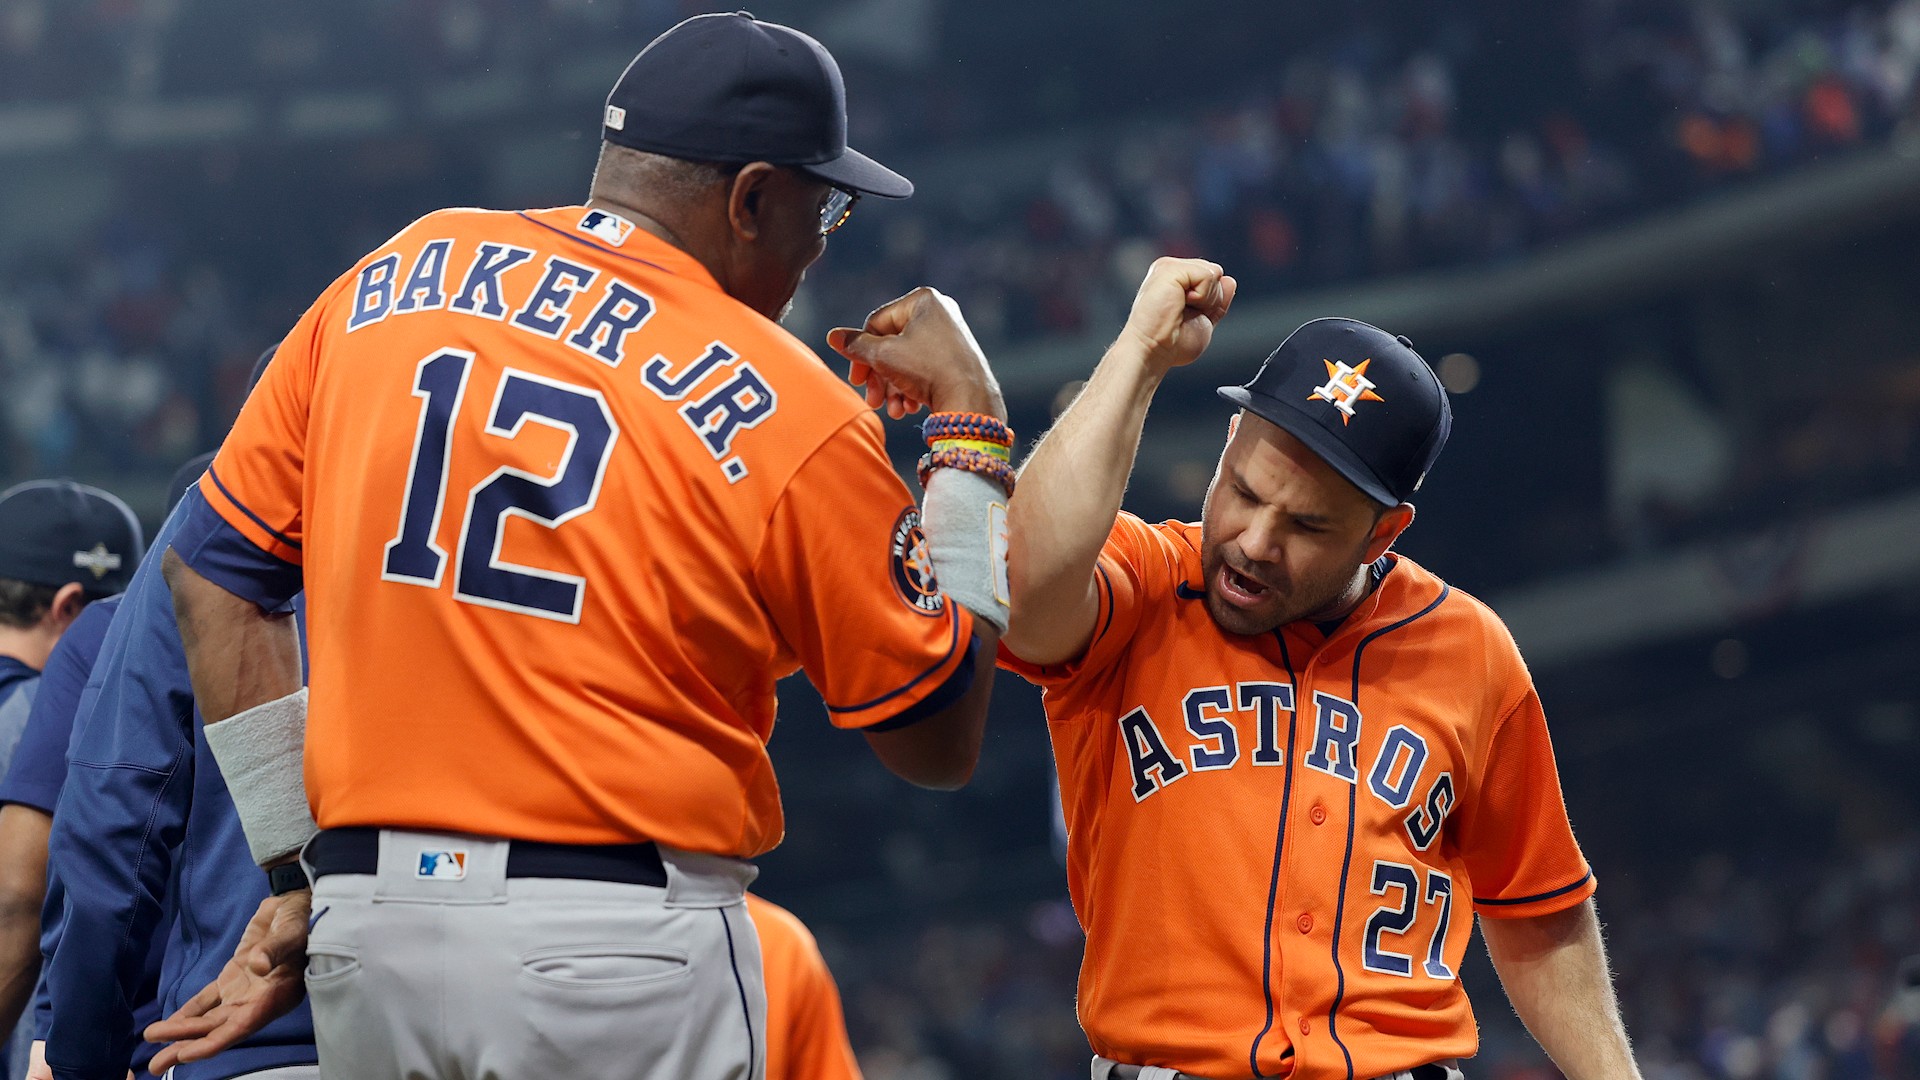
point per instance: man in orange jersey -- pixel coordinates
(1293, 765)
(806, 1031)
(566, 501)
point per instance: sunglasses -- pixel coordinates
(837, 209)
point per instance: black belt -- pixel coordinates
(356, 850)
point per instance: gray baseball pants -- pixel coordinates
(486, 977)
(1108, 1069)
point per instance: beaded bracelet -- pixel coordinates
(972, 461)
(979, 446)
(968, 426)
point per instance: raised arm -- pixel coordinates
(917, 351)
(1071, 486)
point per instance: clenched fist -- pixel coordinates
(917, 351)
(1178, 305)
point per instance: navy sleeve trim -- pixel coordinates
(953, 643)
(41, 796)
(945, 694)
(1106, 583)
(1536, 897)
(251, 516)
(223, 555)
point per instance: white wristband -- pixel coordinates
(261, 753)
(965, 518)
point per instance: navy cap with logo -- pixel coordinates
(1360, 398)
(731, 88)
(55, 532)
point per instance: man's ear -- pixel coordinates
(746, 200)
(67, 604)
(1388, 529)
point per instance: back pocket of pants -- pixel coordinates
(609, 966)
(330, 963)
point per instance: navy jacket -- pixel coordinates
(34, 777)
(144, 835)
(18, 685)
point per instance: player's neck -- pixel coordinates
(1357, 590)
(31, 646)
(650, 224)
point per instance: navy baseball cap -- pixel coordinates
(1359, 397)
(55, 532)
(732, 88)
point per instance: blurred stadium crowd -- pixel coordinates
(126, 351)
(1346, 156)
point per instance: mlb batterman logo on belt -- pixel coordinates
(445, 865)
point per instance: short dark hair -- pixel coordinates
(623, 170)
(23, 603)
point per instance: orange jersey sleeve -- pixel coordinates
(257, 480)
(845, 576)
(1514, 834)
(1135, 563)
(806, 1030)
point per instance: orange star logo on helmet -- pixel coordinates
(1345, 387)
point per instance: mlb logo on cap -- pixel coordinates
(442, 864)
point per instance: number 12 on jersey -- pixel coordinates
(480, 577)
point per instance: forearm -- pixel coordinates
(238, 655)
(1064, 506)
(23, 889)
(941, 751)
(19, 957)
(1554, 969)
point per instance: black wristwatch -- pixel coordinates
(286, 878)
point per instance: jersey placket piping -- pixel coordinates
(1346, 863)
(1279, 850)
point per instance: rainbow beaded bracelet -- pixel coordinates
(973, 461)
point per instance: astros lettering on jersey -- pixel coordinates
(557, 511)
(1277, 844)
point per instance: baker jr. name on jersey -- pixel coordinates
(552, 310)
(1239, 726)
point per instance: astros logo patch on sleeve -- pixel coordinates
(913, 567)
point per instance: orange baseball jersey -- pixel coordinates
(806, 1031)
(564, 511)
(1277, 844)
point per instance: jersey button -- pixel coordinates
(1306, 1028)
(1305, 922)
(1318, 814)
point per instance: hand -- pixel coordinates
(264, 981)
(917, 351)
(1178, 305)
